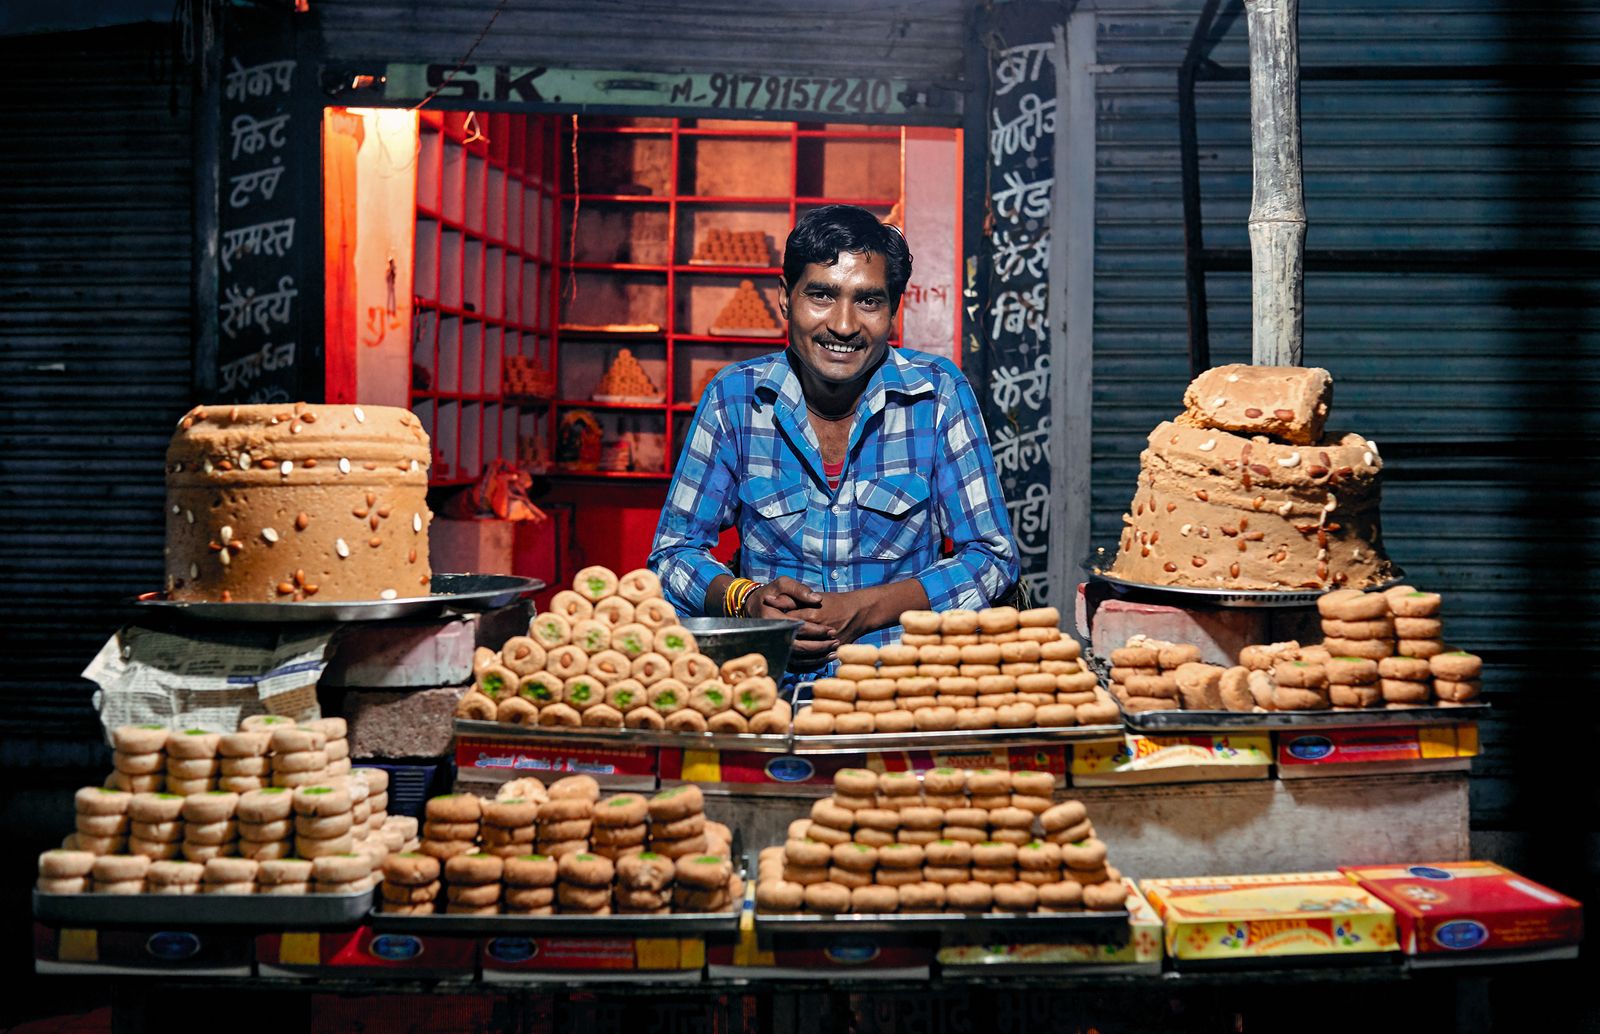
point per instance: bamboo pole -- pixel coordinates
(1277, 205)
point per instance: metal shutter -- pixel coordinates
(1475, 367)
(95, 344)
(899, 38)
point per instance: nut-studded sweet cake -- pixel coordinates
(1220, 509)
(290, 502)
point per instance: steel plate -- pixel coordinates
(1179, 721)
(672, 925)
(452, 593)
(186, 910)
(1099, 568)
(980, 928)
(558, 736)
(953, 739)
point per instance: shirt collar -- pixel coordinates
(896, 374)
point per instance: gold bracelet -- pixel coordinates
(733, 597)
(744, 597)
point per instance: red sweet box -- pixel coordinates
(1454, 908)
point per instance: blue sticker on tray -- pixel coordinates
(1310, 748)
(851, 951)
(787, 768)
(1461, 935)
(1428, 872)
(172, 946)
(512, 949)
(395, 947)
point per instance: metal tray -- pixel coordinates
(953, 739)
(1099, 567)
(983, 928)
(453, 593)
(674, 925)
(186, 910)
(565, 735)
(1178, 721)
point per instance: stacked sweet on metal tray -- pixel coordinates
(961, 669)
(950, 840)
(262, 810)
(533, 851)
(1380, 649)
(610, 654)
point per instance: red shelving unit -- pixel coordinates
(500, 267)
(485, 287)
(645, 193)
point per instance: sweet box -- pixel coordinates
(1454, 908)
(1241, 917)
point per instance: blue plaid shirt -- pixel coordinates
(917, 470)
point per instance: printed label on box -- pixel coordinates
(1369, 746)
(1134, 753)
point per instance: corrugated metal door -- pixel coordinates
(1450, 288)
(896, 39)
(94, 355)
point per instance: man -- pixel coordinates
(844, 463)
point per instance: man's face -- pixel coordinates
(839, 315)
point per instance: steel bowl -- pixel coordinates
(723, 639)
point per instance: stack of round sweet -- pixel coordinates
(256, 833)
(961, 669)
(571, 817)
(537, 856)
(1380, 649)
(611, 654)
(746, 310)
(192, 764)
(955, 841)
(733, 247)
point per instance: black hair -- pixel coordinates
(822, 233)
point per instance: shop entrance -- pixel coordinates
(553, 292)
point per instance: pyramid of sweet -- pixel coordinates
(627, 378)
(733, 247)
(746, 310)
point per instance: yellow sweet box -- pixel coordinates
(1239, 917)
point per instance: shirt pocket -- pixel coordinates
(891, 515)
(775, 517)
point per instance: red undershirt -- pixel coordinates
(833, 472)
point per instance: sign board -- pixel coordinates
(726, 93)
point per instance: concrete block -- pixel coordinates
(471, 547)
(409, 654)
(417, 724)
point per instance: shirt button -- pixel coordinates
(838, 508)
(834, 576)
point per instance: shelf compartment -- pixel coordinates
(736, 168)
(831, 167)
(626, 235)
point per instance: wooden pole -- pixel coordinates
(1277, 204)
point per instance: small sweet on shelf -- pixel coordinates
(746, 315)
(626, 381)
(723, 247)
(527, 377)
